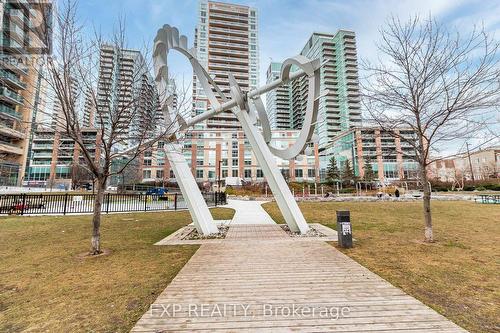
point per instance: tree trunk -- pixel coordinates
(427, 204)
(95, 247)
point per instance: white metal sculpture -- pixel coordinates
(248, 107)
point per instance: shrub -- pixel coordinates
(492, 187)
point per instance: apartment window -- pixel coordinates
(161, 144)
(311, 173)
(252, 13)
(224, 161)
(235, 162)
(234, 135)
(248, 173)
(199, 173)
(148, 154)
(390, 174)
(161, 162)
(159, 173)
(199, 162)
(298, 173)
(147, 162)
(235, 173)
(234, 153)
(203, 13)
(260, 174)
(62, 173)
(248, 162)
(146, 174)
(172, 174)
(224, 173)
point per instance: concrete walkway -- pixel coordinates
(259, 279)
(249, 212)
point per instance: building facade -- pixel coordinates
(19, 83)
(57, 161)
(483, 164)
(390, 155)
(278, 100)
(226, 153)
(339, 108)
(226, 42)
(125, 86)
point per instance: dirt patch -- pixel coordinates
(87, 255)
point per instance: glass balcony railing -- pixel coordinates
(8, 131)
(11, 77)
(16, 29)
(5, 109)
(14, 66)
(9, 42)
(10, 94)
(11, 148)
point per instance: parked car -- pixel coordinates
(87, 186)
(112, 189)
(160, 191)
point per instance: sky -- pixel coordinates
(286, 25)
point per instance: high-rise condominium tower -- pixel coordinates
(278, 100)
(226, 41)
(340, 109)
(19, 85)
(125, 86)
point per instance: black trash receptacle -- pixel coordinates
(344, 229)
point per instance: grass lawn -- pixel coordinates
(46, 286)
(458, 275)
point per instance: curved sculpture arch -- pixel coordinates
(247, 107)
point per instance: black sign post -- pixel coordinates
(344, 229)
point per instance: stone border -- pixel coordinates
(312, 232)
(194, 235)
(179, 237)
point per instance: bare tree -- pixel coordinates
(131, 174)
(437, 83)
(125, 119)
(80, 175)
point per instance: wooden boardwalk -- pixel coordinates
(261, 280)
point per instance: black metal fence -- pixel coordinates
(72, 203)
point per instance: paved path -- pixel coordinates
(249, 212)
(259, 279)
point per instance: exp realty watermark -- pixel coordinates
(266, 310)
(27, 27)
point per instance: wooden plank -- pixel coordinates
(254, 267)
